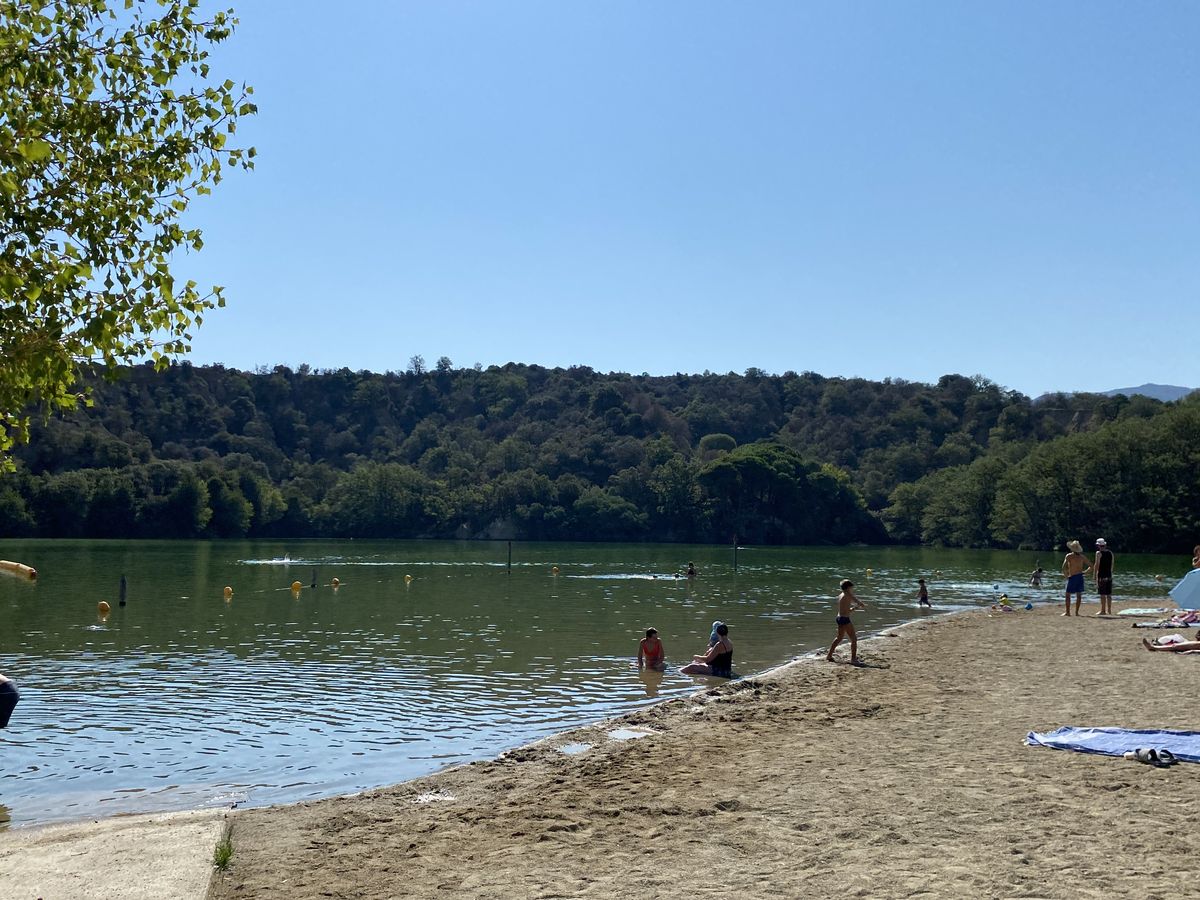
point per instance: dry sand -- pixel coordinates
(159, 857)
(907, 778)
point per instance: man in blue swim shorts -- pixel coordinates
(1074, 566)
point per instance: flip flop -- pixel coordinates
(1167, 758)
(1149, 756)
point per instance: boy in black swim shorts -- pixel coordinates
(846, 602)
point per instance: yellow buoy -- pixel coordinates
(296, 587)
(102, 607)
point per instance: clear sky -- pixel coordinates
(857, 187)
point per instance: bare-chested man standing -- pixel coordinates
(1075, 566)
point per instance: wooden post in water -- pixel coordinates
(121, 602)
(510, 557)
(735, 553)
(314, 580)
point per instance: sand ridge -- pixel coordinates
(905, 778)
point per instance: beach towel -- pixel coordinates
(1116, 741)
(1146, 611)
(1166, 623)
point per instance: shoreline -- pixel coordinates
(86, 820)
(908, 776)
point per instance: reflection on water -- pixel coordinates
(652, 679)
(405, 657)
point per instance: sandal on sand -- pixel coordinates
(1167, 758)
(1149, 756)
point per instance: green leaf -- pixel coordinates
(35, 151)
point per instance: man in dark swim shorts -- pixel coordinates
(1102, 572)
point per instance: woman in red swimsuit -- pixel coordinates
(651, 654)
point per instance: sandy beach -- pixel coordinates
(906, 778)
(153, 857)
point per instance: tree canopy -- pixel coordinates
(111, 123)
(521, 451)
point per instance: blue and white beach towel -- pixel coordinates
(1117, 741)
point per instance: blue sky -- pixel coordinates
(875, 189)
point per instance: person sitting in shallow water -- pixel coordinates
(651, 654)
(718, 661)
(9, 696)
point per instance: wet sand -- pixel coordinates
(905, 778)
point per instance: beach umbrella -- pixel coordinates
(1187, 592)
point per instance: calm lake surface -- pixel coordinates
(428, 654)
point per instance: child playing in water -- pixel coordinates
(923, 594)
(846, 602)
(651, 654)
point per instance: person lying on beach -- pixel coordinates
(718, 661)
(9, 696)
(846, 602)
(651, 654)
(1184, 617)
(1177, 647)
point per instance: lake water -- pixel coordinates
(427, 654)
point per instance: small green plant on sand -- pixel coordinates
(224, 852)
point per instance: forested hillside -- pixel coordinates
(533, 453)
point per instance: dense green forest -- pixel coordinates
(521, 451)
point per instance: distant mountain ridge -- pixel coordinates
(1165, 392)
